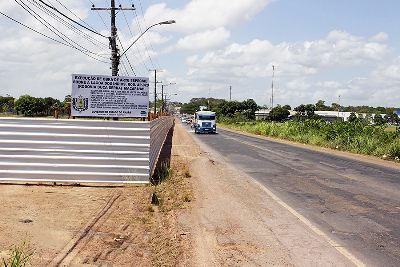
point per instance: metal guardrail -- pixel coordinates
(158, 133)
(78, 151)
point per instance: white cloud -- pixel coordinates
(204, 40)
(255, 59)
(200, 15)
(379, 37)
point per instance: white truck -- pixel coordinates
(205, 122)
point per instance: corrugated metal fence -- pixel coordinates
(159, 130)
(79, 151)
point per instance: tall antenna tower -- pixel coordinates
(272, 87)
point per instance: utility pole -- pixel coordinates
(272, 87)
(230, 93)
(162, 97)
(155, 90)
(113, 38)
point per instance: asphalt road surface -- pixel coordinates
(355, 203)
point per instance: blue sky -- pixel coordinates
(322, 49)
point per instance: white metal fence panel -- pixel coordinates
(35, 150)
(159, 130)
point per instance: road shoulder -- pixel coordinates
(235, 223)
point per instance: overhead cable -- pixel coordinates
(62, 14)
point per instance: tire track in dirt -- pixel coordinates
(67, 254)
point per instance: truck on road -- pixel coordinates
(205, 122)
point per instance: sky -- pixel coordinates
(344, 51)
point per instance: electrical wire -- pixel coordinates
(130, 65)
(62, 14)
(98, 13)
(52, 28)
(70, 26)
(76, 16)
(141, 10)
(48, 37)
(142, 60)
(145, 46)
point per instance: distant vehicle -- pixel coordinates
(183, 120)
(205, 122)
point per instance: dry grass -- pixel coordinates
(20, 256)
(167, 244)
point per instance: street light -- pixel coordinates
(160, 23)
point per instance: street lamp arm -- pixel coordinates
(148, 28)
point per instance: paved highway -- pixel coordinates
(355, 203)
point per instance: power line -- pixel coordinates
(62, 14)
(48, 37)
(126, 56)
(52, 28)
(69, 25)
(141, 10)
(141, 31)
(76, 16)
(98, 13)
(129, 28)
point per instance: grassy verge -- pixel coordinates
(353, 137)
(167, 243)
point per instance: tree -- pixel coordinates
(352, 117)
(26, 104)
(6, 103)
(335, 107)
(249, 108)
(378, 120)
(279, 113)
(320, 105)
(287, 107)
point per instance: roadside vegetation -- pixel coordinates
(20, 256)
(172, 193)
(356, 137)
(367, 130)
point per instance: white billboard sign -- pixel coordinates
(109, 96)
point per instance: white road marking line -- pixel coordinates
(69, 181)
(32, 164)
(73, 173)
(49, 126)
(73, 157)
(55, 135)
(72, 143)
(26, 149)
(342, 250)
(304, 220)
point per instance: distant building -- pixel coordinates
(262, 114)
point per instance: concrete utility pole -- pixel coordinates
(230, 93)
(113, 39)
(162, 95)
(162, 98)
(155, 90)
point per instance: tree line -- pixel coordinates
(245, 110)
(27, 105)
